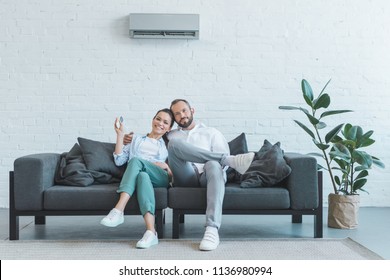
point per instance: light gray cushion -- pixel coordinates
(237, 146)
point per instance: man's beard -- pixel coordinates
(187, 124)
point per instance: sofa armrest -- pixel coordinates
(32, 175)
(303, 181)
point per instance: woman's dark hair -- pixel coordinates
(166, 110)
(169, 112)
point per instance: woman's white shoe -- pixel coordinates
(149, 239)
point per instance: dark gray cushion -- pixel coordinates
(236, 198)
(72, 170)
(237, 146)
(268, 167)
(98, 156)
(94, 197)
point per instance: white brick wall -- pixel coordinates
(67, 68)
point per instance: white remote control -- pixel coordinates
(118, 123)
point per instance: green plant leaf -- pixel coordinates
(334, 112)
(341, 151)
(319, 167)
(321, 125)
(367, 134)
(362, 158)
(294, 108)
(342, 163)
(347, 127)
(365, 143)
(336, 139)
(348, 143)
(359, 132)
(358, 184)
(305, 128)
(363, 190)
(360, 168)
(331, 134)
(365, 140)
(314, 121)
(320, 146)
(324, 87)
(289, 108)
(307, 92)
(337, 180)
(362, 174)
(322, 102)
(350, 132)
(377, 162)
(343, 171)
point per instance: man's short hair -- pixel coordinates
(180, 100)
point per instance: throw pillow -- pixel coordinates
(268, 167)
(265, 148)
(98, 156)
(237, 146)
(72, 170)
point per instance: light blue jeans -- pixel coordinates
(142, 176)
(181, 155)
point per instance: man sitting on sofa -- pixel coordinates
(198, 157)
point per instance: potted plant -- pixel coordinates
(346, 163)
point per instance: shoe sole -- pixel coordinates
(111, 225)
(146, 247)
(208, 248)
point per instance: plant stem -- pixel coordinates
(327, 161)
(330, 172)
(351, 171)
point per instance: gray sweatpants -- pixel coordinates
(181, 155)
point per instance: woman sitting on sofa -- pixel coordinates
(146, 169)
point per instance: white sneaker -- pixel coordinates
(149, 239)
(113, 219)
(240, 162)
(210, 239)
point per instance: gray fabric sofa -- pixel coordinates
(297, 195)
(36, 190)
(33, 192)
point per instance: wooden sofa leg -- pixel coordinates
(175, 224)
(297, 219)
(181, 219)
(159, 215)
(40, 220)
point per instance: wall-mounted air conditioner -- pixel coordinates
(167, 26)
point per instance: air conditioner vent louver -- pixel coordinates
(164, 26)
(162, 34)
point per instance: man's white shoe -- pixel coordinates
(210, 239)
(113, 219)
(149, 239)
(242, 162)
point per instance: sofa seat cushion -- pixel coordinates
(236, 198)
(94, 197)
